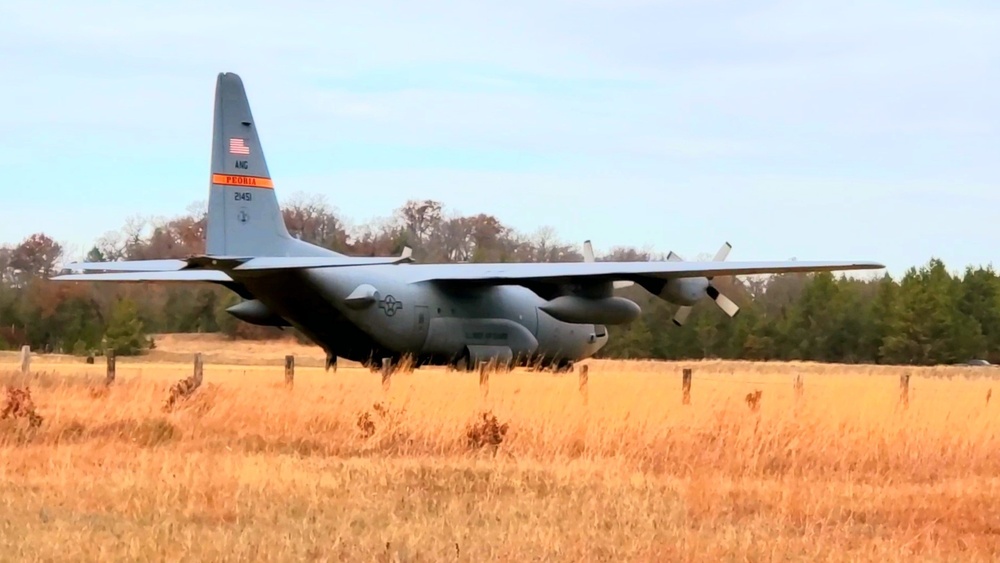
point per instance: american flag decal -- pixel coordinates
(236, 146)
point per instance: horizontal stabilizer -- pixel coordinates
(129, 266)
(171, 276)
(241, 263)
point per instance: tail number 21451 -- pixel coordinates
(242, 196)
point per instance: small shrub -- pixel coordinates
(383, 418)
(486, 432)
(365, 424)
(180, 390)
(20, 405)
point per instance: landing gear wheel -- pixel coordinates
(375, 364)
(464, 362)
(564, 366)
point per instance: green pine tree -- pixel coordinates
(930, 328)
(125, 333)
(980, 299)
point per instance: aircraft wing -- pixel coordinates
(575, 272)
(489, 274)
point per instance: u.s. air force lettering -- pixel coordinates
(389, 305)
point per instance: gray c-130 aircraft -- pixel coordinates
(370, 308)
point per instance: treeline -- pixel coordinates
(928, 316)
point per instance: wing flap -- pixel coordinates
(291, 263)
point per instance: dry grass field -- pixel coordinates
(338, 468)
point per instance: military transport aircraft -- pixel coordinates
(372, 308)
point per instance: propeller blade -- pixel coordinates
(681, 315)
(723, 252)
(724, 303)
(588, 256)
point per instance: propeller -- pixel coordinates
(588, 256)
(724, 303)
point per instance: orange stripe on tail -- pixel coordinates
(242, 181)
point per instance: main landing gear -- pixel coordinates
(564, 366)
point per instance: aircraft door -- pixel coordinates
(420, 320)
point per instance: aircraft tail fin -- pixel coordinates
(244, 218)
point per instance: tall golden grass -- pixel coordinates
(338, 468)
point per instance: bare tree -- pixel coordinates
(421, 218)
(311, 219)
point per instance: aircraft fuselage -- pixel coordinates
(365, 314)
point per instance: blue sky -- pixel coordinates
(820, 130)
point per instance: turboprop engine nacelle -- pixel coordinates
(603, 311)
(684, 291)
(256, 313)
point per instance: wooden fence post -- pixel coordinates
(799, 387)
(289, 370)
(110, 377)
(584, 377)
(686, 386)
(198, 370)
(25, 360)
(386, 373)
(904, 390)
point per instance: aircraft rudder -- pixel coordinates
(236, 145)
(243, 213)
(244, 218)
